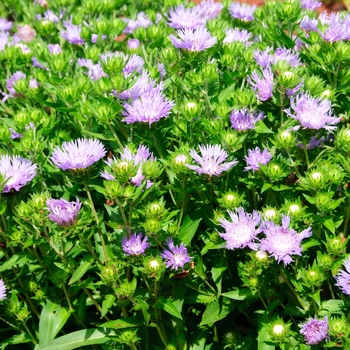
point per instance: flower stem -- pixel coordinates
(305, 152)
(346, 223)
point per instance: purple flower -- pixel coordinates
(176, 256)
(149, 108)
(94, 38)
(312, 113)
(95, 71)
(255, 158)
(33, 84)
(48, 16)
(2, 290)
(235, 34)
(135, 245)
(287, 55)
(282, 242)
(314, 142)
(54, 49)
(198, 39)
(5, 25)
(36, 63)
(242, 231)
(343, 278)
(242, 11)
(16, 171)
(291, 92)
(12, 80)
(309, 24)
(314, 330)
(4, 38)
(72, 33)
(209, 9)
(262, 85)
(161, 70)
(310, 4)
(263, 58)
(78, 154)
(133, 44)
(243, 119)
(141, 21)
(210, 161)
(62, 212)
(15, 134)
(134, 64)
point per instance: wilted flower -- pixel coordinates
(310, 4)
(242, 11)
(5, 25)
(2, 290)
(242, 231)
(343, 278)
(95, 71)
(16, 171)
(198, 39)
(243, 119)
(314, 331)
(142, 21)
(135, 245)
(72, 33)
(211, 160)
(262, 85)
(149, 108)
(312, 113)
(25, 33)
(78, 154)
(255, 158)
(235, 34)
(62, 212)
(15, 134)
(54, 49)
(175, 256)
(281, 241)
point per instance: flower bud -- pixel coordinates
(230, 340)
(325, 261)
(169, 56)
(338, 327)
(22, 315)
(113, 189)
(279, 330)
(155, 209)
(92, 52)
(285, 139)
(154, 267)
(129, 192)
(152, 226)
(230, 200)
(253, 283)
(151, 169)
(111, 271)
(261, 256)
(342, 139)
(129, 337)
(271, 213)
(21, 119)
(5, 133)
(336, 245)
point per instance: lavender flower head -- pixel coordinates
(62, 212)
(196, 40)
(78, 154)
(4, 38)
(135, 245)
(5, 25)
(16, 171)
(242, 120)
(312, 113)
(54, 49)
(288, 55)
(309, 24)
(72, 33)
(149, 108)
(33, 84)
(315, 331)
(15, 134)
(134, 63)
(211, 160)
(343, 278)
(242, 11)
(262, 85)
(2, 290)
(176, 256)
(255, 158)
(242, 231)
(133, 44)
(95, 71)
(94, 38)
(10, 82)
(310, 4)
(281, 241)
(240, 35)
(142, 21)
(48, 16)
(263, 58)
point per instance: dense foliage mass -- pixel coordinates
(174, 176)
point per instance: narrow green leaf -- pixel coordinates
(84, 266)
(166, 305)
(53, 317)
(225, 94)
(127, 322)
(188, 229)
(265, 187)
(238, 294)
(261, 128)
(18, 259)
(107, 304)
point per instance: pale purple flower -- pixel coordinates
(309, 24)
(78, 154)
(16, 171)
(312, 113)
(149, 108)
(256, 157)
(142, 21)
(5, 25)
(95, 71)
(10, 82)
(343, 278)
(291, 92)
(335, 27)
(176, 256)
(161, 70)
(133, 44)
(4, 37)
(72, 33)
(209, 9)
(94, 38)
(262, 85)
(48, 16)
(315, 331)
(134, 63)
(37, 64)
(281, 241)
(33, 84)
(314, 142)
(240, 35)
(198, 39)
(241, 231)
(310, 4)
(135, 245)
(54, 49)
(263, 58)
(243, 119)
(2, 290)
(15, 134)
(211, 161)
(62, 212)
(242, 11)
(287, 55)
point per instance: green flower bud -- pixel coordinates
(127, 288)
(261, 256)
(102, 85)
(40, 294)
(117, 82)
(111, 271)
(113, 64)
(274, 170)
(336, 245)
(271, 213)
(338, 327)
(129, 192)
(21, 86)
(316, 178)
(230, 200)
(279, 330)
(227, 60)
(285, 139)
(152, 226)
(154, 267)
(253, 283)
(59, 63)
(191, 109)
(180, 160)
(124, 170)
(314, 277)
(327, 94)
(230, 340)
(342, 139)
(5, 133)
(93, 53)
(113, 189)
(155, 209)
(23, 314)
(169, 56)
(151, 169)
(129, 337)
(325, 261)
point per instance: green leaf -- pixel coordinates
(127, 322)
(225, 94)
(217, 271)
(329, 223)
(261, 128)
(265, 187)
(53, 317)
(216, 311)
(85, 264)
(198, 339)
(238, 294)
(309, 244)
(166, 305)
(333, 306)
(18, 259)
(107, 303)
(80, 338)
(188, 229)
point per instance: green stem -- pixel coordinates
(30, 333)
(346, 223)
(306, 154)
(98, 307)
(262, 300)
(111, 127)
(293, 290)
